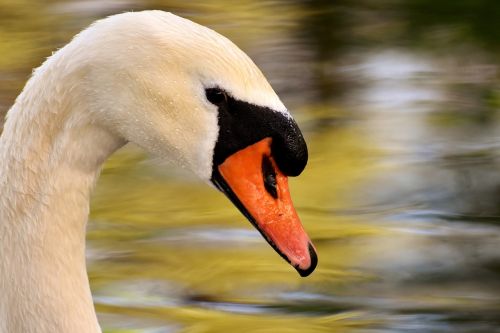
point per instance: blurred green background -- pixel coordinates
(399, 101)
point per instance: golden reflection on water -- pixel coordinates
(152, 227)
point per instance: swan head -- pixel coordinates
(183, 91)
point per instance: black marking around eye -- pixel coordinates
(242, 124)
(269, 176)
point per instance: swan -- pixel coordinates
(175, 88)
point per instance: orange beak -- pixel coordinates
(252, 180)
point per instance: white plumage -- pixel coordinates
(136, 77)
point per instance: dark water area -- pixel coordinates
(399, 102)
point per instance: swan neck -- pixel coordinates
(51, 151)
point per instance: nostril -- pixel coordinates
(269, 175)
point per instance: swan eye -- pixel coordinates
(216, 96)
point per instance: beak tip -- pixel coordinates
(314, 262)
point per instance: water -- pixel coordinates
(399, 104)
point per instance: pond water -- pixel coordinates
(399, 103)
